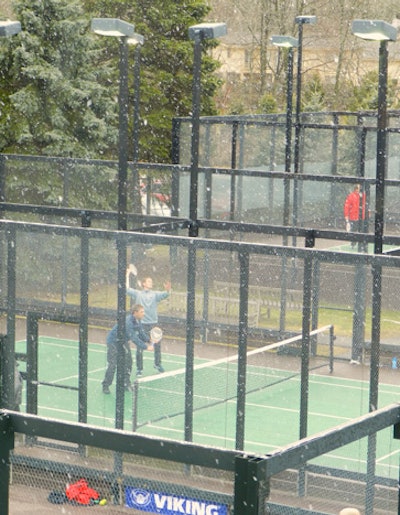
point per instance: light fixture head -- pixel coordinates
(207, 30)
(9, 28)
(285, 41)
(112, 27)
(310, 20)
(136, 39)
(374, 30)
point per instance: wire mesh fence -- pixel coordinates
(67, 476)
(242, 292)
(298, 478)
(334, 148)
(63, 380)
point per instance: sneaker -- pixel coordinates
(354, 362)
(139, 372)
(106, 389)
(128, 388)
(159, 368)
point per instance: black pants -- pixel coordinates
(157, 350)
(112, 358)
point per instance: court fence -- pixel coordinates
(68, 265)
(35, 254)
(171, 477)
(239, 152)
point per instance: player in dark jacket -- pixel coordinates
(134, 333)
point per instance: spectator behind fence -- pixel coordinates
(351, 209)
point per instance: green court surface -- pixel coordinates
(347, 247)
(272, 411)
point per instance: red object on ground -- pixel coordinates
(81, 493)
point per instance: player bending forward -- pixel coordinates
(134, 333)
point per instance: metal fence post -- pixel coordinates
(250, 491)
(6, 445)
(396, 436)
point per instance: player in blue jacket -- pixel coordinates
(134, 333)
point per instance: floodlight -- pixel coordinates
(285, 41)
(374, 30)
(9, 28)
(310, 20)
(136, 39)
(207, 30)
(112, 27)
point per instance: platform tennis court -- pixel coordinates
(272, 413)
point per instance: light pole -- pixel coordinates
(301, 21)
(377, 30)
(138, 41)
(198, 33)
(9, 28)
(288, 43)
(124, 31)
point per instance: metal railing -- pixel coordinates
(252, 473)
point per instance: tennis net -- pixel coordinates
(215, 382)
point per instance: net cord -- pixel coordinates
(234, 357)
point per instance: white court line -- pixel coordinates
(73, 413)
(74, 344)
(57, 410)
(103, 349)
(293, 410)
(76, 376)
(267, 447)
(384, 457)
(392, 321)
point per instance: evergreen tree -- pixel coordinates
(60, 104)
(166, 65)
(365, 95)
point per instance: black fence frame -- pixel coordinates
(122, 240)
(255, 467)
(252, 472)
